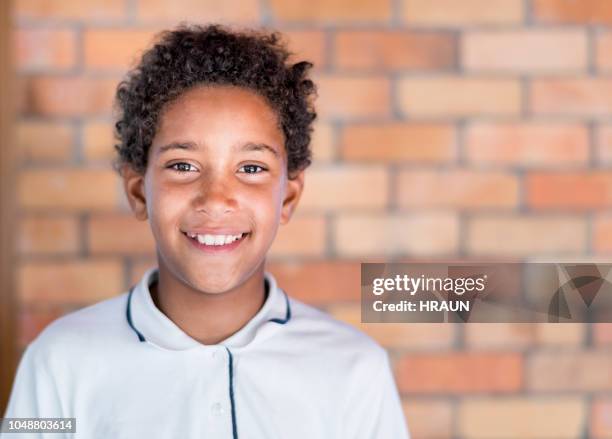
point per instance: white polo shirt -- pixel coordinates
(123, 369)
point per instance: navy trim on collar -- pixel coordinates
(281, 321)
(128, 313)
(287, 316)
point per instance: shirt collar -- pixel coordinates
(152, 326)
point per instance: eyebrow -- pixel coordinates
(258, 147)
(250, 146)
(177, 145)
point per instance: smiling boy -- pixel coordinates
(214, 133)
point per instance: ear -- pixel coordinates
(295, 186)
(133, 183)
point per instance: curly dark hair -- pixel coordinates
(192, 55)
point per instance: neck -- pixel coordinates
(208, 318)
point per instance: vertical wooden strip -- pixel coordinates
(8, 308)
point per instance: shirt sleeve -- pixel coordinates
(376, 410)
(34, 395)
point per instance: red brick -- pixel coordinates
(319, 282)
(602, 334)
(70, 96)
(118, 233)
(528, 144)
(394, 50)
(585, 97)
(92, 10)
(118, 49)
(98, 141)
(429, 418)
(604, 144)
(421, 234)
(323, 143)
(525, 417)
(458, 373)
(81, 282)
(526, 235)
(525, 51)
(602, 234)
(114, 49)
(575, 370)
(603, 51)
(398, 142)
(42, 141)
(48, 235)
(243, 11)
(575, 190)
(304, 235)
(601, 418)
(413, 336)
(456, 96)
(331, 11)
(458, 188)
(572, 11)
(346, 97)
(500, 335)
(69, 189)
(521, 336)
(466, 12)
(38, 49)
(339, 187)
(32, 321)
(561, 334)
(306, 45)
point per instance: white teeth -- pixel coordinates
(214, 239)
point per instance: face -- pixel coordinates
(216, 186)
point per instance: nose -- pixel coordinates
(215, 197)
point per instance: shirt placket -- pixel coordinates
(219, 397)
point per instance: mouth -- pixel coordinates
(216, 242)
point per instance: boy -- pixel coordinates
(214, 133)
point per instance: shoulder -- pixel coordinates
(324, 333)
(86, 328)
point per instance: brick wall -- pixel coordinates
(449, 128)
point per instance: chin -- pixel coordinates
(213, 283)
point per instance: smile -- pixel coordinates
(214, 243)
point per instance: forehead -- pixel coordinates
(212, 107)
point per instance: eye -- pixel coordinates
(252, 169)
(182, 167)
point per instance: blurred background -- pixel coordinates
(448, 129)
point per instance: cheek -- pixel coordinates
(262, 206)
(164, 209)
(268, 209)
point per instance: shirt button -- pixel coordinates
(217, 409)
